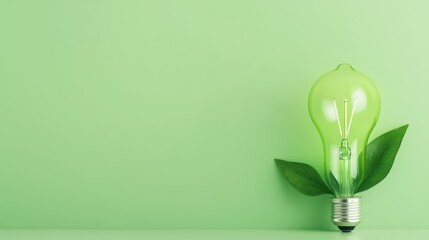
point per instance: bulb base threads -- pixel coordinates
(346, 213)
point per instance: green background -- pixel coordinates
(168, 114)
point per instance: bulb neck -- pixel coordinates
(346, 213)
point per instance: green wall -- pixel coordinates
(168, 114)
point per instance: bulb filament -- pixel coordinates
(345, 180)
(344, 133)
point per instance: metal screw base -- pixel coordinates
(346, 213)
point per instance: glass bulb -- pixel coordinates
(344, 106)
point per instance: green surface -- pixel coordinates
(211, 234)
(168, 114)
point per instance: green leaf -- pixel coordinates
(334, 182)
(380, 155)
(303, 178)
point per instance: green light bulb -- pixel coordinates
(344, 106)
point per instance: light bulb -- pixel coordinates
(344, 106)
